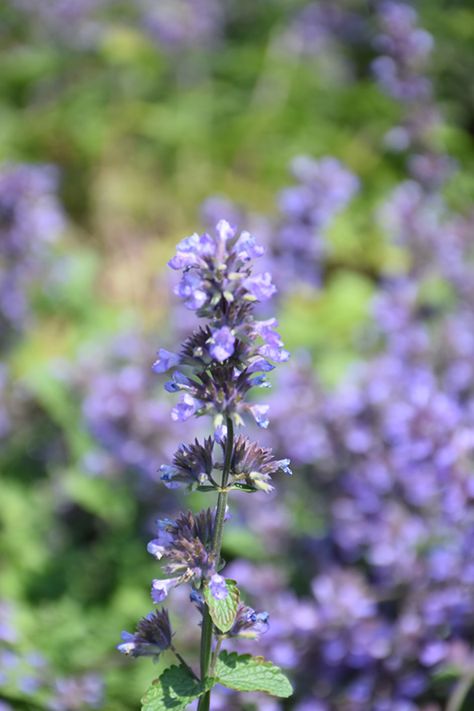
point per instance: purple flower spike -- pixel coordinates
(222, 344)
(217, 366)
(165, 361)
(218, 587)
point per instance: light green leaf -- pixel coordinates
(223, 612)
(246, 673)
(175, 689)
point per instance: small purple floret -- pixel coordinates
(218, 587)
(165, 361)
(160, 589)
(184, 409)
(260, 287)
(222, 344)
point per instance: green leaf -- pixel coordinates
(175, 689)
(243, 672)
(448, 672)
(243, 487)
(223, 612)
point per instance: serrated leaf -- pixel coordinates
(243, 672)
(175, 689)
(223, 612)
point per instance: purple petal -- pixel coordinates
(222, 344)
(259, 413)
(184, 409)
(218, 587)
(165, 361)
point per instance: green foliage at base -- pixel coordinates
(175, 689)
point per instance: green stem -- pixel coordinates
(206, 632)
(215, 655)
(460, 691)
(182, 661)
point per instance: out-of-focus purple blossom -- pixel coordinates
(78, 23)
(284, 639)
(78, 692)
(218, 207)
(28, 673)
(8, 632)
(324, 188)
(390, 451)
(303, 435)
(127, 417)
(179, 24)
(324, 29)
(31, 219)
(404, 49)
(431, 169)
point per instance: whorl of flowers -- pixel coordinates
(152, 637)
(222, 361)
(214, 371)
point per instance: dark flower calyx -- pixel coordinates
(192, 465)
(252, 466)
(152, 637)
(186, 543)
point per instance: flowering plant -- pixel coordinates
(215, 370)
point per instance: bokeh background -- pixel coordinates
(341, 133)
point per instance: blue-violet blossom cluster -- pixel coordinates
(214, 371)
